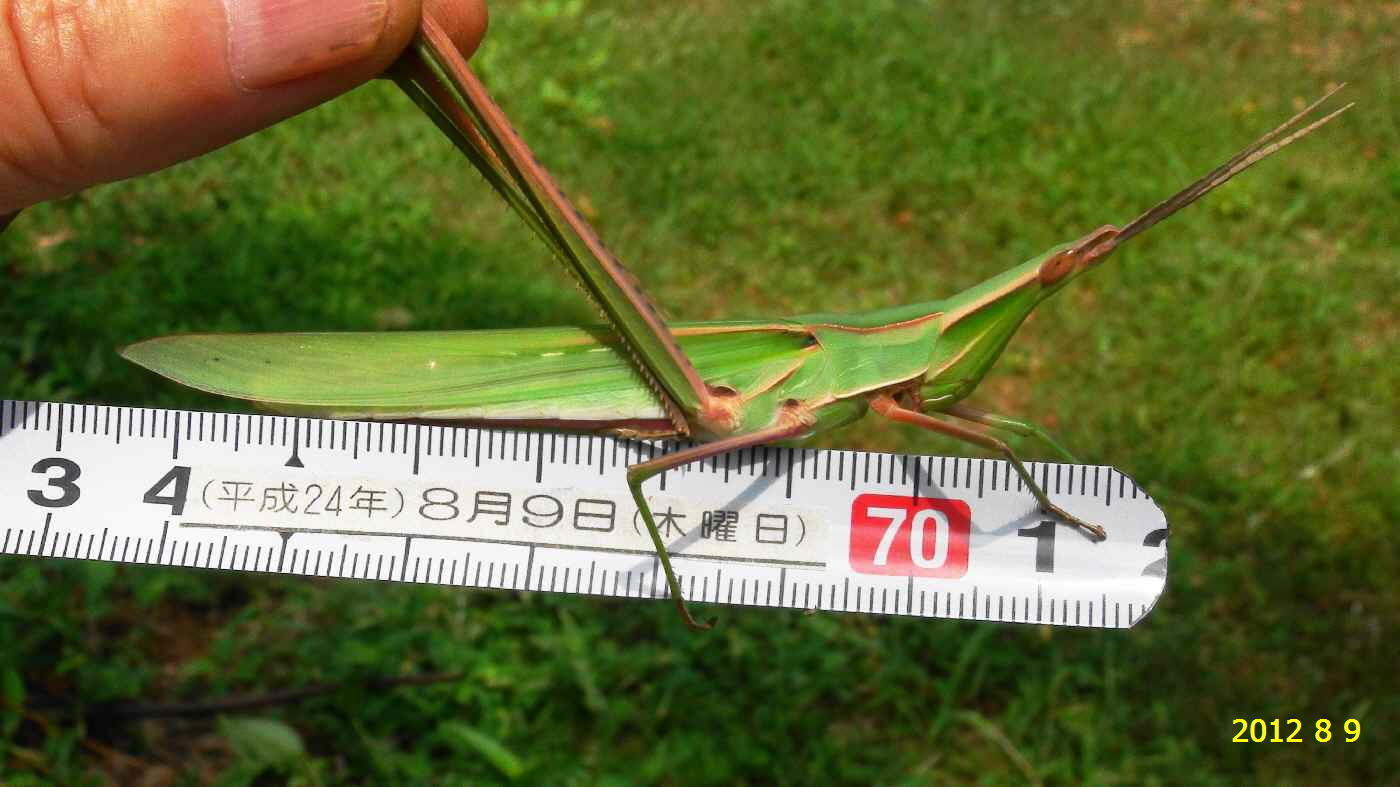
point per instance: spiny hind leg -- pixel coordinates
(886, 406)
(790, 426)
(1013, 425)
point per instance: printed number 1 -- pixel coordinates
(1044, 535)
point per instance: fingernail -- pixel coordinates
(276, 41)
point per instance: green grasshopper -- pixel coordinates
(722, 385)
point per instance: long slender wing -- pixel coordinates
(563, 374)
(438, 79)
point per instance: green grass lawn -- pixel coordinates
(761, 159)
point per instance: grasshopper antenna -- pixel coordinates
(1101, 242)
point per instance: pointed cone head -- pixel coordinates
(1059, 267)
(977, 323)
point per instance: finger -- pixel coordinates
(464, 20)
(98, 91)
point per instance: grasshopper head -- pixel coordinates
(1077, 257)
(1058, 268)
(976, 324)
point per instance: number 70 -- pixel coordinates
(905, 536)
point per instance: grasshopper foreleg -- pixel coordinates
(1013, 425)
(886, 406)
(636, 474)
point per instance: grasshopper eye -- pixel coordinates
(1058, 267)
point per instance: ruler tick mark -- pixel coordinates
(48, 519)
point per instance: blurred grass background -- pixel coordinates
(759, 159)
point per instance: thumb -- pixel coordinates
(98, 90)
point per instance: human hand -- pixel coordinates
(99, 90)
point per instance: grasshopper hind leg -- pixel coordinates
(639, 473)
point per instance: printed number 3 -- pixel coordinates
(67, 476)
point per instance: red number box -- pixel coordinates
(903, 536)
